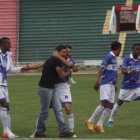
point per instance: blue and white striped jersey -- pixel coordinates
(110, 72)
(6, 66)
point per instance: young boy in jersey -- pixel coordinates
(108, 72)
(63, 89)
(6, 66)
(131, 84)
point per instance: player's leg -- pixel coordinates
(124, 96)
(64, 93)
(70, 116)
(5, 113)
(99, 109)
(109, 95)
(113, 113)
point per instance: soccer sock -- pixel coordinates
(71, 122)
(9, 119)
(114, 111)
(98, 110)
(105, 114)
(3, 115)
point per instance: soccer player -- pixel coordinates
(69, 53)
(131, 84)
(63, 89)
(52, 70)
(108, 72)
(6, 66)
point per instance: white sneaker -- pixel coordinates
(10, 135)
(73, 82)
(33, 135)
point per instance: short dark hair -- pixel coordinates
(115, 45)
(60, 47)
(136, 44)
(68, 46)
(3, 39)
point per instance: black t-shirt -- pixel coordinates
(49, 73)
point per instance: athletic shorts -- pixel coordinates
(4, 93)
(63, 89)
(107, 93)
(126, 95)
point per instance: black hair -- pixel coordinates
(3, 39)
(136, 44)
(60, 47)
(115, 45)
(68, 46)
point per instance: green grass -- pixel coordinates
(25, 107)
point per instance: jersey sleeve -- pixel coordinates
(105, 61)
(73, 61)
(124, 63)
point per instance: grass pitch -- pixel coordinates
(25, 107)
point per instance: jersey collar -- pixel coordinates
(131, 56)
(112, 54)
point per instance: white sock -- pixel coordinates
(97, 111)
(105, 114)
(113, 112)
(71, 122)
(9, 119)
(3, 115)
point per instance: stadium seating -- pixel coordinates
(46, 24)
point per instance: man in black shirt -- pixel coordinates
(52, 69)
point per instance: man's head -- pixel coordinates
(5, 44)
(61, 50)
(116, 47)
(136, 49)
(69, 50)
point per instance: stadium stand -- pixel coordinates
(46, 24)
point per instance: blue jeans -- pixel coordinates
(49, 97)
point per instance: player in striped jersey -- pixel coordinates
(131, 84)
(108, 72)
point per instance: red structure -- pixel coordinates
(8, 22)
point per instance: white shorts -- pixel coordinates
(107, 93)
(4, 93)
(63, 90)
(126, 95)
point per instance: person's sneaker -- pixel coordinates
(35, 135)
(10, 135)
(73, 135)
(90, 126)
(110, 124)
(67, 134)
(99, 129)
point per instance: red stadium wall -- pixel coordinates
(8, 22)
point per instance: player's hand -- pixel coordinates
(26, 68)
(96, 86)
(133, 72)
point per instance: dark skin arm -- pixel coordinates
(97, 84)
(61, 72)
(125, 71)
